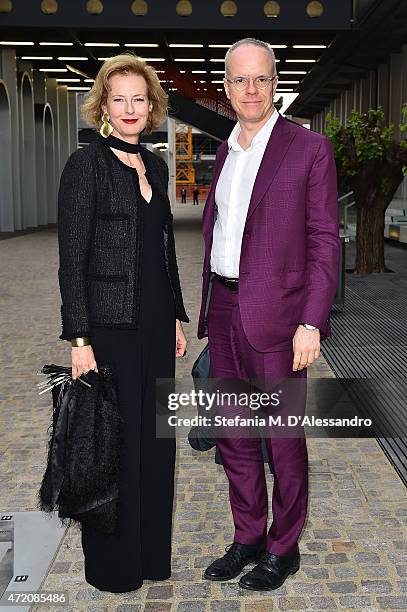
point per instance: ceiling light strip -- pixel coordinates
(36, 57)
(101, 44)
(16, 43)
(53, 70)
(141, 45)
(56, 44)
(185, 46)
(189, 59)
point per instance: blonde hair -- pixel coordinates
(125, 63)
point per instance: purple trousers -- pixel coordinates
(233, 357)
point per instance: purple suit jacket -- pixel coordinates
(289, 259)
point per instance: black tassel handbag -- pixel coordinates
(81, 479)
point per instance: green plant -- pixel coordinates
(374, 161)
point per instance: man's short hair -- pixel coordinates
(256, 43)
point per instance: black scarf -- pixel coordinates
(122, 145)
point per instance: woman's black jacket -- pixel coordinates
(100, 240)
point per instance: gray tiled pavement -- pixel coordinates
(354, 547)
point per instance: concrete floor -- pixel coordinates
(354, 547)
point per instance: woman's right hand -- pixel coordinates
(83, 360)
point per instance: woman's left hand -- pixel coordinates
(180, 340)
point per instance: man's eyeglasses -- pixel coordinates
(241, 83)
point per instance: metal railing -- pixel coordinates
(218, 106)
(344, 207)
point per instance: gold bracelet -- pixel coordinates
(80, 341)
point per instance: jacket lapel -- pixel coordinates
(208, 213)
(277, 146)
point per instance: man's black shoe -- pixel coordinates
(199, 441)
(271, 572)
(236, 558)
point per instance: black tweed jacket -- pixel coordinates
(100, 240)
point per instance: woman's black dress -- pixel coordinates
(141, 547)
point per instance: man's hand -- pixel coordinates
(306, 347)
(180, 340)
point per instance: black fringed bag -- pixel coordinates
(81, 478)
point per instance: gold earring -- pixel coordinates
(106, 128)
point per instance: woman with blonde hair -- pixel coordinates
(122, 306)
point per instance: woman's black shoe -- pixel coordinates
(271, 572)
(237, 557)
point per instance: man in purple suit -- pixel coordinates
(270, 272)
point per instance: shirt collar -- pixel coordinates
(261, 137)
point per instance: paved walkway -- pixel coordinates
(354, 547)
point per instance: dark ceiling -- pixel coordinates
(353, 43)
(175, 58)
(378, 31)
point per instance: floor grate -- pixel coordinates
(369, 340)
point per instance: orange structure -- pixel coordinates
(185, 171)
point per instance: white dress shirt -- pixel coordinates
(232, 197)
